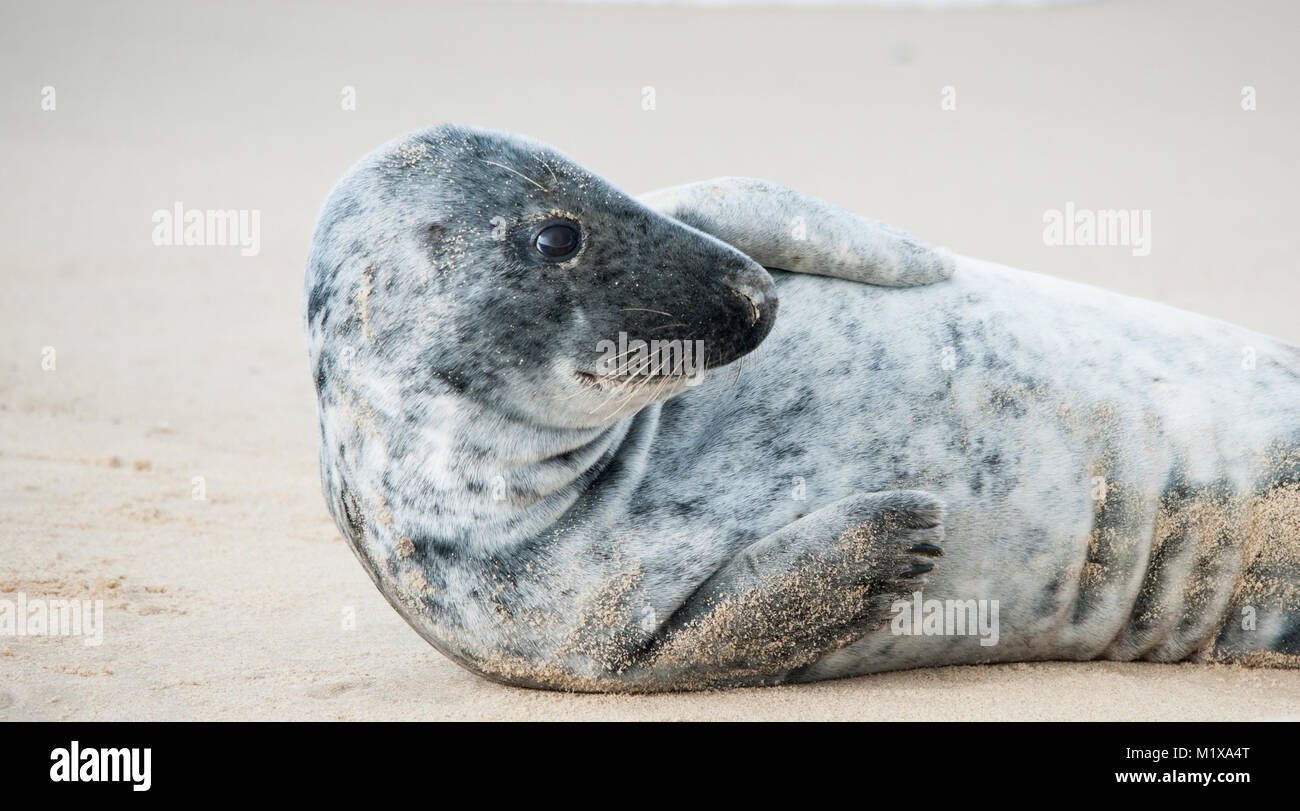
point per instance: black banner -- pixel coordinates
(243, 760)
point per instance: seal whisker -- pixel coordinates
(646, 310)
(554, 177)
(517, 172)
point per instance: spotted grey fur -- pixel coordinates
(1110, 470)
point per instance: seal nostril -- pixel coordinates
(754, 313)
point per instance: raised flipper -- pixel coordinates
(803, 592)
(782, 228)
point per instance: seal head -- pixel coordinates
(489, 266)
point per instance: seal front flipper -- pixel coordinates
(787, 230)
(805, 591)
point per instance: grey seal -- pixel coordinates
(907, 426)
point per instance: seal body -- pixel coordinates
(1121, 479)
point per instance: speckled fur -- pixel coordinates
(542, 532)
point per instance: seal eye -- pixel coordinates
(557, 241)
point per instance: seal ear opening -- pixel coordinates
(430, 237)
(784, 229)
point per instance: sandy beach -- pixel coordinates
(135, 377)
